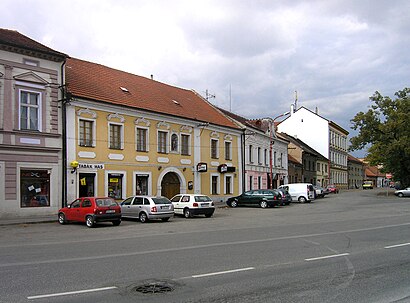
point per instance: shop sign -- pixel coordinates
(223, 168)
(90, 166)
(201, 167)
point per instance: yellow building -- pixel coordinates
(130, 135)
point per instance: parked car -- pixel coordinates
(147, 208)
(300, 192)
(286, 197)
(319, 191)
(190, 205)
(261, 197)
(403, 192)
(367, 185)
(91, 210)
(332, 189)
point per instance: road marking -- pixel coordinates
(71, 293)
(223, 272)
(327, 257)
(397, 245)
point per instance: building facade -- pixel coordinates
(129, 135)
(324, 136)
(356, 171)
(31, 78)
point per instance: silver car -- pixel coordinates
(403, 192)
(147, 208)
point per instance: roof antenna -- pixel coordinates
(209, 95)
(296, 100)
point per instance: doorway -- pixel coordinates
(86, 186)
(170, 185)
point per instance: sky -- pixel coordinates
(250, 56)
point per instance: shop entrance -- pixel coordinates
(170, 185)
(86, 186)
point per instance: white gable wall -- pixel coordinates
(308, 127)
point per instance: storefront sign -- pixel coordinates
(90, 166)
(223, 168)
(201, 167)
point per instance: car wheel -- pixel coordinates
(302, 199)
(165, 219)
(61, 218)
(116, 223)
(89, 221)
(263, 204)
(143, 217)
(187, 213)
(234, 203)
(400, 195)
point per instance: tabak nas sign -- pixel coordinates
(90, 166)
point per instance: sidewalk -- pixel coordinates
(28, 220)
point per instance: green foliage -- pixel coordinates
(386, 128)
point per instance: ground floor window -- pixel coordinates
(86, 186)
(141, 186)
(34, 188)
(115, 186)
(215, 181)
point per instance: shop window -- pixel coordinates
(215, 181)
(141, 187)
(115, 186)
(35, 188)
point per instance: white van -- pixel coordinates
(300, 192)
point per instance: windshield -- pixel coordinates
(161, 200)
(105, 202)
(202, 199)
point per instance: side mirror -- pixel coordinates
(69, 206)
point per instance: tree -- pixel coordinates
(385, 127)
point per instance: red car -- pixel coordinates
(332, 189)
(91, 210)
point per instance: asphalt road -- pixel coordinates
(350, 247)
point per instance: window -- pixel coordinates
(29, 110)
(228, 185)
(250, 182)
(228, 150)
(162, 142)
(214, 148)
(174, 143)
(34, 188)
(274, 159)
(259, 182)
(185, 145)
(115, 136)
(214, 185)
(142, 142)
(86, 133)
(141, 187)
(250, 154)
(259, 156)
(115, 186)
(266, 156)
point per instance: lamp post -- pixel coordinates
(272, 125)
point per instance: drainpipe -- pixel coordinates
(243, 161)
(64, 134)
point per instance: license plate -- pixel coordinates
(204, 204)
(110, 211)
(164, 207)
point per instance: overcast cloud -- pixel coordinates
(253, 55)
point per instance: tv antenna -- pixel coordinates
(208, 95)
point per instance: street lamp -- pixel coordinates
(272, 125)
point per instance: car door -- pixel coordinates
(245, 198)
(126, 206)
(72, 213)
(177, 207)
(136, 206)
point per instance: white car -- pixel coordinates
(403, 192)
(190, 205)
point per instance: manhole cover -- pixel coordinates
(154, 288)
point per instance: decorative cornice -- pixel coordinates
(87, 111)
(163, 124)
(186, 128)
(214, 134)
(116, 116)
(142, 120)
(228, 137)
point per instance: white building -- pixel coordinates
(325, 136)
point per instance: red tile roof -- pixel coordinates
(100, 83)
(10, 39)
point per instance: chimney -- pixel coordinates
(317, 111)
(292, 109)
(152, 77)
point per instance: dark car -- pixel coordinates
(261, 197)
(286, 197)
(91, 210)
